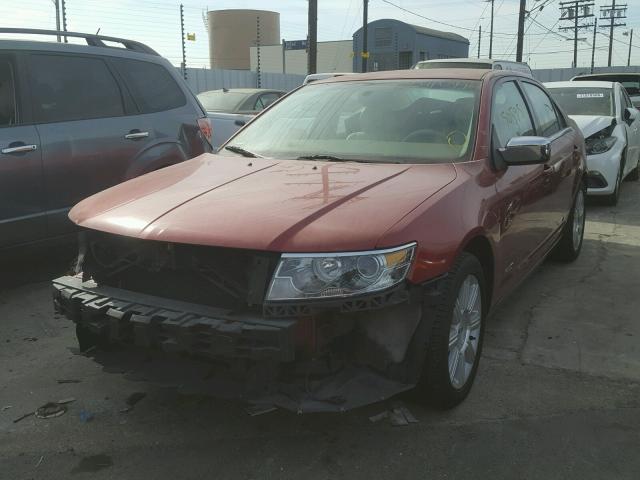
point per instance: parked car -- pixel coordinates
(314, 77)
(346, 245)
(630, 82)
(77, 119)
(229, 109)
(611, 126)
(482, 63)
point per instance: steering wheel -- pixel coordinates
(425, 134)
(454, 136)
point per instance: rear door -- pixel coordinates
(89, 129)
(22, 217)
(559, 172)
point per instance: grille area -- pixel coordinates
(221, 277)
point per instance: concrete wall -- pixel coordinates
(332, 57)
(403, 38)
(233, 32)
(561, 74)
(201, 79)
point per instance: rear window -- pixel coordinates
(631, 83)
(222, 101)
(152, 87)
(66, 88)
(427, 65)
(584, 100)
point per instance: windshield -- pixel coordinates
(408, 121)
(584, 100)
(221, 101)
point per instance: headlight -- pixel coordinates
(301, 276)
(596, 145)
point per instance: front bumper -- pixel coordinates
(254, 358)
(603, 170)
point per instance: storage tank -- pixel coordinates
(233, 32)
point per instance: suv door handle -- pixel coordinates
(133, 135)
(19, 149)
(240, 123)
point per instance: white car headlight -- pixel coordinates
(302, 276)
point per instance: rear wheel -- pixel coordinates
(455, 344)
(570, 243)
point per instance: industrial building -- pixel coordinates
(291, 57)
(395, 45)
(233, 32)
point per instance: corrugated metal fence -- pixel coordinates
(561, 74)
(201, 79)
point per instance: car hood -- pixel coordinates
(265, 204)
(590, 124)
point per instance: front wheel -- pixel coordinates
(455, 344)
(570, 244)
(634, 175)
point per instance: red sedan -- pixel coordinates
(346, 245)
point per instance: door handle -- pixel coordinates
(136, 135)
(240, 123)
(19, 149)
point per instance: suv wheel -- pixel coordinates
(453, 352)
(570, 244)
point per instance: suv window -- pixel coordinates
(547, 121)
(72, 88)
(152, 87)
(8, 112)
(510, 115)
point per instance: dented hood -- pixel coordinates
(590, 124)
(265, 204)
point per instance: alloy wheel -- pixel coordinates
(464, 333)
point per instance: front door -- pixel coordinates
(22, 216)
(522, 190)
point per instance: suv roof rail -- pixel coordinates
(91, 39)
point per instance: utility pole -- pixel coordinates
(630, 42)
(575, 11)
(284, 56)
(184, 48)
(479, 39)
(593, 48)
(64, 19)
(491, 33)
(312, 47)
(258, 42)
(611, 13)
(365, 47)
(56, 4)
(522, 13)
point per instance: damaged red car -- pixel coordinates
(346, 245)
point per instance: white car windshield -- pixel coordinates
(584, 100)
(405, 121)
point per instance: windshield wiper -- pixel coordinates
(333, 158)
(241, 151)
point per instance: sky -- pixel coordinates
(157, 23)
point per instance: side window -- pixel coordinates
(152, 87)
(510, 116)
(8, 107)
(547, 121)
(265, 100)
(72, 88)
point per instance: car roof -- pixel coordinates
(425, 74)
(572, 84)
(609, 74)
(247, 91)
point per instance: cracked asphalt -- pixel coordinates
(557, 394)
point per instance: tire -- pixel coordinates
(613, 198)
(436, 385)
(570, 244)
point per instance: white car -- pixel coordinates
(611, 128)
(482, 63)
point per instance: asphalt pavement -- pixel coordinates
(557, 395)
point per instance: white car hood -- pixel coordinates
(590, 124)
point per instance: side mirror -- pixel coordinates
(629, 115)
(526, 151)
